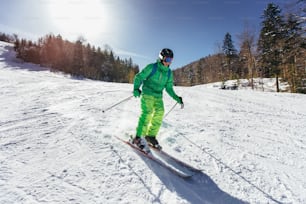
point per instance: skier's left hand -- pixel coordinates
(181, 102)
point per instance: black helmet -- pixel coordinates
(166, 52)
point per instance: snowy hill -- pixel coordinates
(57, 145)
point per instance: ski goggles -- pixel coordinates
(168, 59)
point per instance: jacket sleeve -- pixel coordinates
(170, 90)
(142, 75)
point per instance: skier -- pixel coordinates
(154, 78)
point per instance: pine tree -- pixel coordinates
(270, 44)
(292, 50)
(230, 53)
(78, 62)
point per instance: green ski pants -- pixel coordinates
(152, 112)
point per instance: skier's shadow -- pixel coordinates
(197, 189)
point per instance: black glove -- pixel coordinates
(181, 102)
(137, 92)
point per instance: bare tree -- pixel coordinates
(247, 50)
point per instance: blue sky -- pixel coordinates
(137, 28)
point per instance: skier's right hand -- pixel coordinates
(137, 92)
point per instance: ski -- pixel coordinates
(149, 155)
(168, 157)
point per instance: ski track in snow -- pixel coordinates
(253, 137)
(57, 146)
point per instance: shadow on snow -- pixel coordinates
(200, 188)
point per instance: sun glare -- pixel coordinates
(80, 17)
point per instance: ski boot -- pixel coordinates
(153, 142)
(141, 143)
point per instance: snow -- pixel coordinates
(260, 84)
(58, 146)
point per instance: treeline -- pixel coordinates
(279, 51)
(8, 38)
(76, 58)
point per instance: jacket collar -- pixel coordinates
(161, 66)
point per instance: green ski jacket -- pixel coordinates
(155, 84)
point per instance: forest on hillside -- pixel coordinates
(279, 51)
(75, 58)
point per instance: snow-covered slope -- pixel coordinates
(57, 145)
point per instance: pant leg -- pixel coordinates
(157, 117)
(147, 109)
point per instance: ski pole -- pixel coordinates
(126, 99)
(170, 110)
